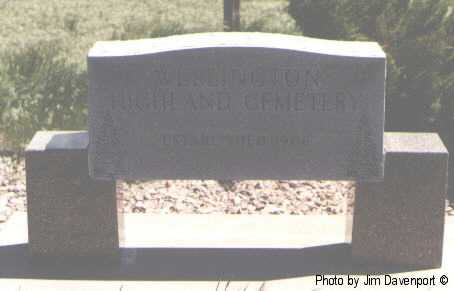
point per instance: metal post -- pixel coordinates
(231, 15)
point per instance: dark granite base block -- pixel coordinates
(69, 214)
(401, 220)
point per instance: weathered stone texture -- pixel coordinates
(69, 214)
(401, 220)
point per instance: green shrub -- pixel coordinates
(40, 89)
(418, 37)
(267, 16)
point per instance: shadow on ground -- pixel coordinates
(195, 264)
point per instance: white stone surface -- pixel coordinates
(58, 140)
(322, 228)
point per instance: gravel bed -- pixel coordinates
(202, 196)
(236, 197)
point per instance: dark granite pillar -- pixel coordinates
(400, 221)
(69, 214)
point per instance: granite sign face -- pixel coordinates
(236, 106)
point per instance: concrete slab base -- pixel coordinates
(209, 252)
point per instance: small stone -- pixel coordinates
(292, 185)
(3, 218)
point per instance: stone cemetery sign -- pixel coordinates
(236, 106)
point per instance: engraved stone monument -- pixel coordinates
(236, 106)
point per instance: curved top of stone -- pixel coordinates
(236, 39)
